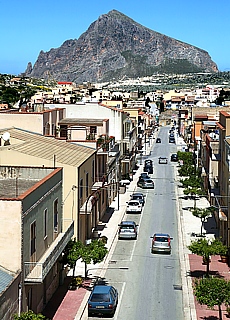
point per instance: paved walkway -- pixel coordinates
(70, 305)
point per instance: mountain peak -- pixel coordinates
(115, 46)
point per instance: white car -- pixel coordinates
(134, 206)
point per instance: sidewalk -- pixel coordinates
(70, 305)
(194, 267)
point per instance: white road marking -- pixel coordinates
(119, 300)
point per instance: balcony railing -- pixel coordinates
(37, 271)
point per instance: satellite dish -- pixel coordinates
(6, 136)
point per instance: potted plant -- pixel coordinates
(100, 140)
(104, 239)
(76, 283)
(223, 252)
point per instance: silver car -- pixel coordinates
(161, 243)
(145, 183)
(127, 230)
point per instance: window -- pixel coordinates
(33, 238)
(29, 299)
(93, 171)
(56, 215)
(45, 222)
(81, 189)
(87, 184)
(93, 129)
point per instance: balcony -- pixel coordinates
(35, 272)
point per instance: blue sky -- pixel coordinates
(29, 26)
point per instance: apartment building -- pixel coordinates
(33, 236)
(40, 119)
(79, 170)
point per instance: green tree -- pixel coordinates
(203, 214)
(30, 315)
(186, 157)
(186, 170)
(72, 253)
(207, 248)
(212, 292)
(193, 187)
(93, 253)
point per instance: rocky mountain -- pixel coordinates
(115, 47)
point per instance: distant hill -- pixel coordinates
(115, 46)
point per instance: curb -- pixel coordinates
(188, 298)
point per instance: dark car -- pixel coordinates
(103, 300)
(127, 230)
(145, 183)
(148, 162)
(174, 157)
(138, 196)
(172, 140)
(148, 168)
(158, 140)
(144, 175)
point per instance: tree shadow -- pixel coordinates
(187, 208)
(210, 318)
(202, 273)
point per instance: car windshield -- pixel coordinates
(161, 239)
(148, 181)
(137, 197)
(127, 227)
(96, 297)
(133, 203)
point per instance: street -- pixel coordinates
(150, 285)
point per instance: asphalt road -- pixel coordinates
(149, 284)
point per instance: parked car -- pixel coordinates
(162, 160)
(158, 140)
(145, 183)
(138, 196)
(134, 206)
(148, 162)
(103, 300)
(161, 243)
(172, 140)
(144, 175)
(174, 157)
(124, 182)
(148, 168)
(127, 230)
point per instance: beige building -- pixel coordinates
(40, 120)
(33, 236)
(79, 170)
